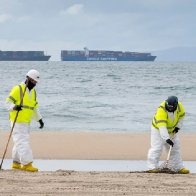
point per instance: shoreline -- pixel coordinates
(86, 145)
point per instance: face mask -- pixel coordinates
(30, 85)
(171, 108)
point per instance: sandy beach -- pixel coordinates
(95, 183)
(94, 145)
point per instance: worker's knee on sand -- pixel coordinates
(152, 164)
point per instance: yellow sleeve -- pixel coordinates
(182, 111)
(36, 102)
(161, 117)
(14, 95)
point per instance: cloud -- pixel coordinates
(4, 18)
(73, 10)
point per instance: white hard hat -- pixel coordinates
(34, 74)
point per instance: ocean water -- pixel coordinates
(103, 96)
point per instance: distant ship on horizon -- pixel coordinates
(23, 56)
(104, 55)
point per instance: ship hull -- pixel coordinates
(23, 56)
(150, 58)
(42, 58)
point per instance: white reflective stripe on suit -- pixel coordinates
(157, 146)
(21, 151)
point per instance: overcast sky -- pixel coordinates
(134, 25)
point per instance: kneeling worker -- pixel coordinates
(166, 123)
(21, 152)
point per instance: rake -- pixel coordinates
(167, 167)
(12, 129)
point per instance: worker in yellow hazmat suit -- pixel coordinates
(166, 123)
(28, 109)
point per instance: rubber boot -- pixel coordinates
(29, 167)
(153, 171)
(183, 171)
(16, 165)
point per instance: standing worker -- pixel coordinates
(21, 152)
(166, 123)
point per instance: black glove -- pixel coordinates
(41, 123)
(17, 107)
(176, 130)
(170, 142)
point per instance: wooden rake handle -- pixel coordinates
(169, 153)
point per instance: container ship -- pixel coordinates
(104, 55)
(23, 56)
